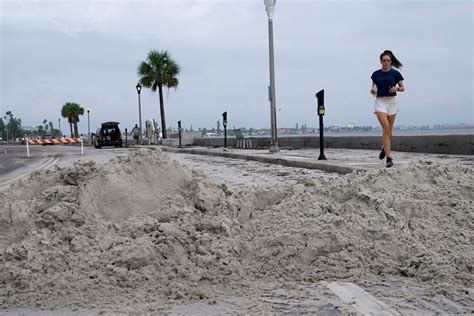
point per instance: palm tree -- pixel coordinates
(46, 126)
(159, 70)
(72, 111)
(40, 130)
(3, 129)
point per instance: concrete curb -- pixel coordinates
(462, 144)
(287, 161)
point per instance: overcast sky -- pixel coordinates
(88, 52)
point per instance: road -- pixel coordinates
(15, 164)
(235, 173)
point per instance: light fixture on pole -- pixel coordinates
(270, 7)
(139, 89)
(88, 124)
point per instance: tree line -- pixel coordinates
(11, 127)
(158, 71)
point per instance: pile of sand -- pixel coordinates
(143, 231)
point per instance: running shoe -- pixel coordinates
(389, 162)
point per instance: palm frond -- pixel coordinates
(143, 69)
(172, 82)
(146, 81)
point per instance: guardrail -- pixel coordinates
(53, 141)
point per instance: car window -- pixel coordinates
(111, 130)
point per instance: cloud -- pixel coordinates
(88, 51)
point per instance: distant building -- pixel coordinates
(30, 128)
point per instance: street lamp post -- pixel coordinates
(88, 124)
(224, 122)
(270, 7)
(139, 89)
(59, 123)
(6, 125)
(179, 133)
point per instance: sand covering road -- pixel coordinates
(143, 232)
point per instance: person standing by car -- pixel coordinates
(136, 134)
(385, 84)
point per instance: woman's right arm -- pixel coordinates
(373, 91)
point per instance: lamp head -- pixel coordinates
(269, 7)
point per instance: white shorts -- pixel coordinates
(386, 105)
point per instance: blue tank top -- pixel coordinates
(384, 80)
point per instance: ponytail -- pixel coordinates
(395, 62)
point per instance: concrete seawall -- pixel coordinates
(437, 144)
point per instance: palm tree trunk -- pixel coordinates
(162, 112)
(76, 131)
(70, 125)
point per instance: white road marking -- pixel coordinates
(359, 299)
(4, 184)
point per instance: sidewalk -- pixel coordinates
(338, 160)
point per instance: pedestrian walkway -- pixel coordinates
(338, 159)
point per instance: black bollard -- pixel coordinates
(224, 123)
(179, 132)
(321, 112)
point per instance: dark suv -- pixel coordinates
(48, 137)
(108, 135)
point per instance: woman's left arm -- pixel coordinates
(401, 87)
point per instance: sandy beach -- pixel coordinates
(213, 235)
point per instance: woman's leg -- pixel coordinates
(384, 123)
(391, 121)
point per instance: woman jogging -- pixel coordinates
(385, 84)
